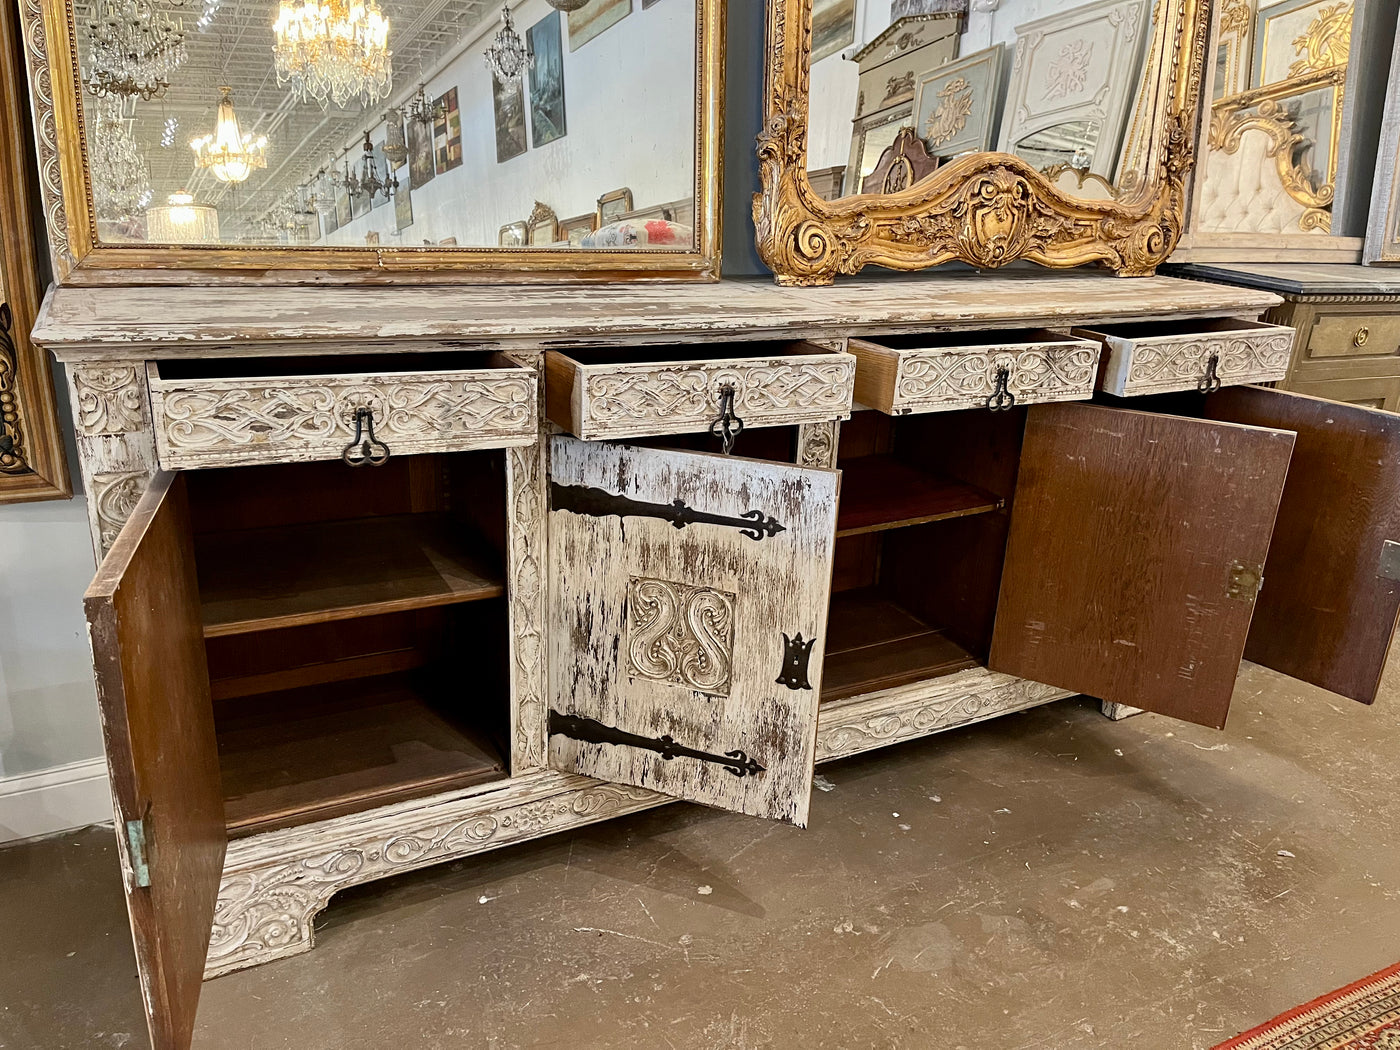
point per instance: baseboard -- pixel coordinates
(53, 800)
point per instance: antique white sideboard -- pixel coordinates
(330, 515)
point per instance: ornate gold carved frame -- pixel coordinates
(56, 90)
(32, 462)
(987, 209)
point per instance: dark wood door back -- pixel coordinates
(1135, 538)
(153, 688)
(1328, 609)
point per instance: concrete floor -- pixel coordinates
(1048, 880)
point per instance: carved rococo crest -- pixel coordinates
(987, 209)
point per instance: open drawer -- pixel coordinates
(1156, 357)
(943, 371)
(680, 389)
(237, 412)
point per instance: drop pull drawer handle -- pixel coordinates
(1001, 397)
(726, 426)
(1210, 382)
(364, 447)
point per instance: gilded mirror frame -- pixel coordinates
(50, 39)
(986, 209)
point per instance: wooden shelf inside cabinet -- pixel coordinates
(261, 579)
(300, 755)
(879, 492)
(873, 643)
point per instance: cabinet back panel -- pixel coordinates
(230, 498)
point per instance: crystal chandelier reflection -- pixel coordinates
(507, 57)
(134, 48)
(333, 49)
(181, 221)
(121, 184)
(395, 148)
(228, 154)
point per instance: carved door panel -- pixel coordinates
(688, 612)
(1136, 546)
(153, 688)
(1327, 611)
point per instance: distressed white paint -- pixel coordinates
(1146, 363)
(776, 585)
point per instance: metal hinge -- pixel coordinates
(1244, 582)
(1390, 560)
(136, 851)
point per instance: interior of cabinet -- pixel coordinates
(355, 631)
(921, 536)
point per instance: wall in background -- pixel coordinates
(629, 107)
(52, 775)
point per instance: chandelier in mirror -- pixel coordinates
(134, 49)
(121, 184)
(508, 57)
(369, 183)
(333, 50)
(421, 110)
(229, 154)
(182, 221)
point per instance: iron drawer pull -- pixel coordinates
(1001, 398)
(726, 426)
(1210, 382)
(368, 445)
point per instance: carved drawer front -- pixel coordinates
(680, 389)
(215, 413)
(944, 371)
(1159, 356)
(1354, 335)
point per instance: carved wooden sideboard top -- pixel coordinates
(81, 323)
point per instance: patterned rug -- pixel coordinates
(1362, 1016)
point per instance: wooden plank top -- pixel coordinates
(78, 323)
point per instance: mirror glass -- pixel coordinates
(543, 124)
(1274, 138)
(902, 87)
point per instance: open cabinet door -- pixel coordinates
(153, 690)
(1327, 612)
(1136, 545)
(688, 602)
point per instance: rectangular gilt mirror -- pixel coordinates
(906, 133)
(274, 137)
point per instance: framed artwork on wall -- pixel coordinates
(421, 168)
(593, 17)
(833, 27)
(403, 209)
(447, 132)
(547, 119)
(343, 210)
(508, 101)
(381, 165)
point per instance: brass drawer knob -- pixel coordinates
(1362, 336)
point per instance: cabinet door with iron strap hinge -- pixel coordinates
(1327, 612)
(688, 610)
(1136, 548)
(153, 689)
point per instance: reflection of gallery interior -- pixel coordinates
(1061, 85)
(458, 123)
